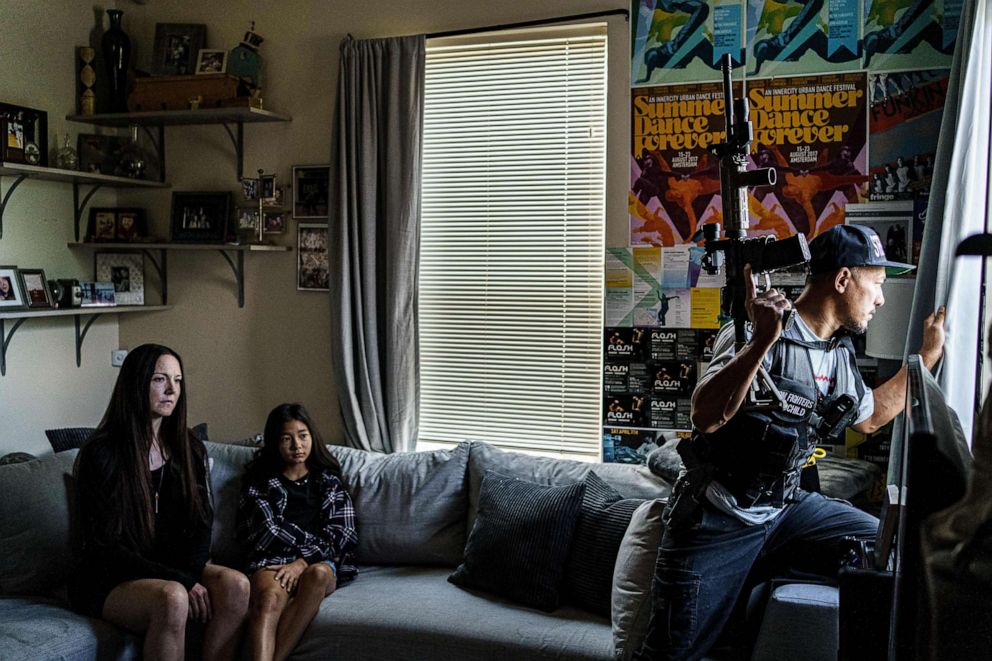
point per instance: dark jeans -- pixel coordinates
(701, 571)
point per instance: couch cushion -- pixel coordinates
(227, 467)
(602, 522)
(43, 629)
(632, 578)
(631, 481)
(35, 542)
(520, 541)
(412, 613)
(410, 507)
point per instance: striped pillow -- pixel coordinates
(603, 520)
(520, 541)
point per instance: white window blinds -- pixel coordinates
(513, 221)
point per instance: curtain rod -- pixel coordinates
(526, 24)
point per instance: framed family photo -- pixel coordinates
(24, 135)
(311, 185)
(116, 224)
(126, 271)
(312, 265)
(200, 217)
(11, 294)
(211, 61)
(35, 288)
(177, 46)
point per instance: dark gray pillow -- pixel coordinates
(520, 541)
(602, 522)
(68, 438)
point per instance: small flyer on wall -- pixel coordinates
(685, 40)
(629, 446)
(788, 38)
(894, 224)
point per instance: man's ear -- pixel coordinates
(842, 279)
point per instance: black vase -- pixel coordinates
(117, 54)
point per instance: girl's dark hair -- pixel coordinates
(125, 436)
(268, 462)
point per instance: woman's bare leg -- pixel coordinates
(316, 582)
(229, 601)
(154, 608)
(268, 599)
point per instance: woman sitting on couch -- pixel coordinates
(146, 518)
(298, 522)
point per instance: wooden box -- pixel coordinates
(216, 90)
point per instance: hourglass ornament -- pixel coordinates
(87, 76)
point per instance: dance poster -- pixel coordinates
(789, 37)
(910, 34)
(684, 40)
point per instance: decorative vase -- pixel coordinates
(132, 159)
(117, 54)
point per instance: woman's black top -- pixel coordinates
(303, 504)
(178, 552)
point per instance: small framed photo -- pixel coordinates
(211, 61)
(247, 218)
(267, 188)
(200, 217)
(176, 48)
(35, 286)
(24, 134)
(275, 222)
(249, 188)
(97, 294)
(312, 265)
(311, 184)
(11, 294)
(130, 225)
(102, 225)
(126, 272)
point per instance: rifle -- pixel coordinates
(732, 252)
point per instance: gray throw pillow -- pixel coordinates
(518, 546)
(665, 462)
(36, 550)
(632, 578)
(410, 507)
(603, 520)
(227, 468)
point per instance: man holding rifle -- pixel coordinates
(737, 511)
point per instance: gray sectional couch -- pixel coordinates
(414, 512)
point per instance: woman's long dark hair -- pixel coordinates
(125, 437)
(268, 462)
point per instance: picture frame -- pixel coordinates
(11, 293)
(210, 60)
(34, 285)
(101, 154)
(312, 266)
(122, 224)
(267, 188)
(249, 188)
(311, 191)
(97, 294)
(24, 133)
(125, 271)
(201, 217)
(274, 222)
(177, 46)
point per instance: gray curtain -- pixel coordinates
(374, 236)
(957, 210)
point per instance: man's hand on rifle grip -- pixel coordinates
(765, 310)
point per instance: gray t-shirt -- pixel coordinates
(825, 365)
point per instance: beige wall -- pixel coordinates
(239, 362)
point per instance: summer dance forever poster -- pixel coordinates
(812, 129)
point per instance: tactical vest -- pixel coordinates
(758, 455)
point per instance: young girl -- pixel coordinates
(298, 523)
(146, 518)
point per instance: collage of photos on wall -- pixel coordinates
(846, 100)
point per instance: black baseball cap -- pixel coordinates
(850, 245)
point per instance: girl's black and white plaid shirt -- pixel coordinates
(271, 540)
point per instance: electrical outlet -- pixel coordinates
(117, 357)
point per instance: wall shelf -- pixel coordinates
(20, 172)
(92, 314)
(234, 254)
(233, 120)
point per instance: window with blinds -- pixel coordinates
(512, 241)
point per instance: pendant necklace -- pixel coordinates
(158, 487)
